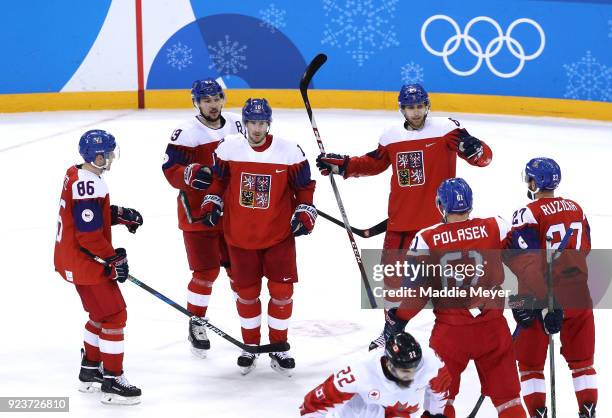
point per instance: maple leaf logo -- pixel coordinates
(400, 410)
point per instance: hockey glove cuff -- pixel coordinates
(524, 309)
(303, 219)
(212, 209)
(117, 266)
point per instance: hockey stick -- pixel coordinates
(187, 208)
(377, 229)
(267, 348)
(363, 233)
(550, 258)
(549, 283)
(309, 73)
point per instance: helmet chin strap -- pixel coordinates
(443, 213)
(102, 168)
(531, 194)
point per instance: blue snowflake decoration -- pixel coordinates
(272, 18)
(227, 56)
(588, 80)
(178, 56)
(360, 27)
(412, 73)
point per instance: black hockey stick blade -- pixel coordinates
(316, 63)
(363, 233)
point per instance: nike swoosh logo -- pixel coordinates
(279, 171)
(429, 145)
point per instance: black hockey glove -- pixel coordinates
(212, 209)
(197, 176)
(552, 321)
(523, 309)
(131, 218)
(428, 414)
(303, 219)
(469, 146)
(332, 164)
(117, 266)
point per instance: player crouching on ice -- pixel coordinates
(262, 186)
(84, 227)
(395, 383)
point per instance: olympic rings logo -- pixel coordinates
(492, 49)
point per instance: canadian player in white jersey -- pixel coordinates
(422, 152)
(187, 167)
(397, 382)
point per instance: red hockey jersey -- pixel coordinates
(194, 142)
(260, 188)
(84, 221)
(420, 160)
(453, 247)
(552, 217)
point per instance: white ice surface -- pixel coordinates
(42, 317)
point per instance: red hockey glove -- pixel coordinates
(117, 266)
(212, 209)
(332, 163)
(303, 219)
(197, 176)
(131, 218)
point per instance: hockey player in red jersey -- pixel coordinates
(398, 382)
(84, 226)
(470, 327)
(550, 216)
(187, 167)
(422, 152)
(262, 186)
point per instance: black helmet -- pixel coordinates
(403, 351)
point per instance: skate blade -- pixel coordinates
(199, 353)
(278, 369)
(246, 370)
(114, 399)
(89, 387)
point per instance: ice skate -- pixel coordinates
(282, 362)
(198, 338)
(90, 376)
(247, 362)
(116, 390)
